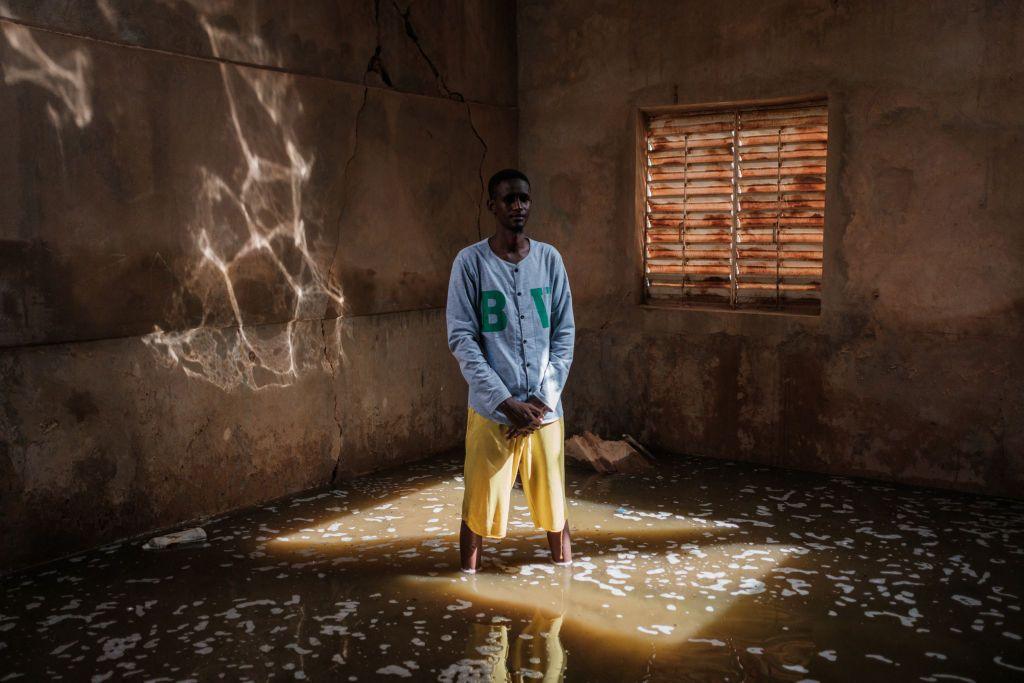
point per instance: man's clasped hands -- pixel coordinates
(525, 416)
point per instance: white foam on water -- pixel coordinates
(749, 586)
(395, 670)
(114, 648)
(466, 670)
(998, 659)
(909, 620)
(965, 600)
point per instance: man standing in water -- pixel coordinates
(510, 325)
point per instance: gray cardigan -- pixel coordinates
(510, 325)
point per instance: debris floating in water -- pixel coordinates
(638, 446)
(193, 535)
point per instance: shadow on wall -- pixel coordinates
(249, 226)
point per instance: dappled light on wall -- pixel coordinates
(66, 77)
(251, 232)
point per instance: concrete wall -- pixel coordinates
(225, 229)
(225, 235)
(913, 371)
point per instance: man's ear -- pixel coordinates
(490, 204)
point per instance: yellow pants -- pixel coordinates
(492, 462)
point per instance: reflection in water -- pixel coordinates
(67, 77)
(704, 570)
(251, 225)
(536, 651)
(651, 556)
(486, 655)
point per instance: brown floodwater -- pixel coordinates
(703, 570)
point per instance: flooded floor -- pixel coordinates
(708, 570)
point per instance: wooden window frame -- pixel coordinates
(810, 304)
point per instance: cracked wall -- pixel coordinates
(224, 249)
(913, 371)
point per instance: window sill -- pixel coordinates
(811, 313)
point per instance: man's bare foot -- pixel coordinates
(470, 546)
(561, 546)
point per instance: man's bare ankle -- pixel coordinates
(561, 559)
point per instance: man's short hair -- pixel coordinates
(504, 174)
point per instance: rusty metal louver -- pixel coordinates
(735, 206)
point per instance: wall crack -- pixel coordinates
(198, 433)
(442, 86)
(334, 391)
(330, 274)
(345, 179)
(410, 31)
(376, 64)
(480, 170)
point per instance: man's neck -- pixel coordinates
(505, 241)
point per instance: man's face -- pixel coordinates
(511, 204)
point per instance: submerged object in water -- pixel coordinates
(193, 535)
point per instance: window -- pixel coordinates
(734, 206)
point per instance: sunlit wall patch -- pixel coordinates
(66, 77)
(256, 212)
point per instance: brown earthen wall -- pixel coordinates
(225, 235)
(913, 372)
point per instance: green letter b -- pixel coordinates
(492, 311)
